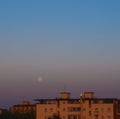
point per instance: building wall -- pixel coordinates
(83, 108)
(69, 109)
(44, 111)
(103, 111)
(24, 107)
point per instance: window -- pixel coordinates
(109, 109)
(109, 117)
(69, 116)
(89, 113)
(74, 109)
(51, 109)
(64, 109)
(96, 116)
(73, 116)
(96, 109)
(102, 117)
(63, 117)
(21, 108)
(79, 117)
(84, 109)
(89, 102)
(24, 108)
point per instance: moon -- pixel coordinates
(40, 79)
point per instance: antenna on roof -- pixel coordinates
(81, 95)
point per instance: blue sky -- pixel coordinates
(72, 43)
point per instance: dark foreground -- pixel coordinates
(9, 115)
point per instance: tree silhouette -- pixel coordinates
(17, 115)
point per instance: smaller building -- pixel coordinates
(24, 107)
(2, 111)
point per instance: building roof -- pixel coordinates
(95, 100)
(23, 105)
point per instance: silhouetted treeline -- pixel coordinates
(9, 115)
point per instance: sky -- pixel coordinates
(51, 46)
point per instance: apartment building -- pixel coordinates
(85, 107)
(24, 107)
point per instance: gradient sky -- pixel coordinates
(70, 43)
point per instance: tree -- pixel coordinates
(17, 115)
(6, 115)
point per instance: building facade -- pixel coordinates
(24, 107)
(86, 107)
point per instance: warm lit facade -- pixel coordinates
(86, 107)
(24, 107)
